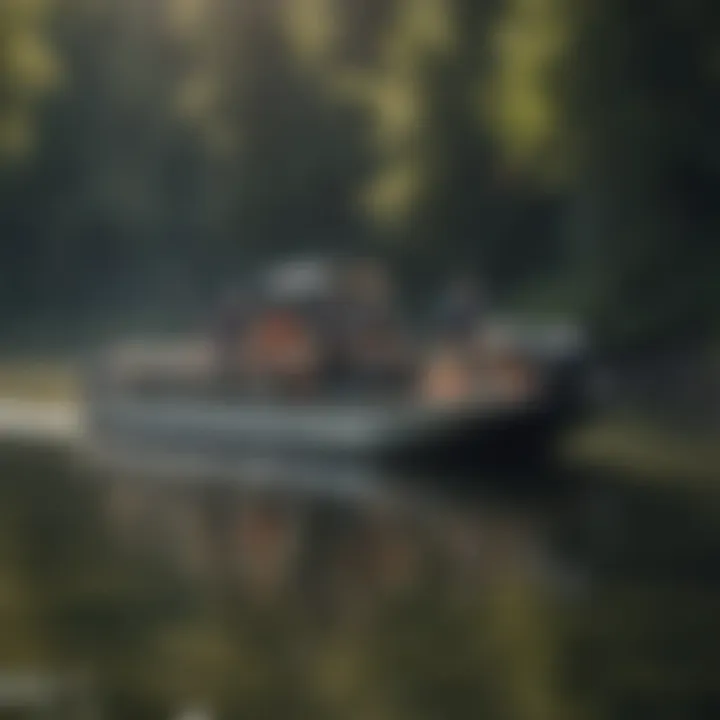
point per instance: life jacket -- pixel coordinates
(279, 339)
(447, 379)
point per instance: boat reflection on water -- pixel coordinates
(271, 528)
(343, 587)
(319, 560)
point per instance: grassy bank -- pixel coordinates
(635, 446)
(38, 380)
(641, 449)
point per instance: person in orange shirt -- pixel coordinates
(280, 353)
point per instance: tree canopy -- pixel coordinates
(28, 70)
(563, 149)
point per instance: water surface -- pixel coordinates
(427, 599)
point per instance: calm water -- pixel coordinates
(601, 601)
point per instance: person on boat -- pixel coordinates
(449, 371)
(229, 322)
(281, 352)
(307, 292)
(447, 378)
(460, 310)
(373, 349)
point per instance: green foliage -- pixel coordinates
(28, 70)
(565, 149)
(436, 183)
(622, 103)
(532, 43)
(284, 155)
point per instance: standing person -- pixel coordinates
(229, 322)
(460, 311)
(375, 337)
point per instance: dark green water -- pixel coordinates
(601, 602)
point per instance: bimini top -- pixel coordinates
(300, 281)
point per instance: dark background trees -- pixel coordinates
(565, 150)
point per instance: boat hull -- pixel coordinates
(394, 437)
(184, 424)
(521, 437)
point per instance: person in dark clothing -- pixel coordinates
(460, 311)
(229, 321)
(373, 338)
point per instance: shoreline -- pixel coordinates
(635, 446)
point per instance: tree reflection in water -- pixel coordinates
(261, 605)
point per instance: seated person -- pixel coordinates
(372, 349)
(447, 378)
(281, 354)
(459, 312)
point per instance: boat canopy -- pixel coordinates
(300, 280)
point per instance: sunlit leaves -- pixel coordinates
(424, 26)
(393, 194)
(184, 17)
(22, 642)
(399, 114)
(531, 45)
(401, 128)
(28, 70)
(30, 66)
(198, 96)
(621, 103)
(313, 26)
(214, 40)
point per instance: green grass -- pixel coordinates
(638, 447)
(37, 380)
(633, 446)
